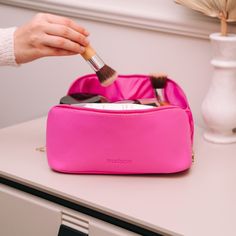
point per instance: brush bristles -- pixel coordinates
(158, 80)
(106, 75)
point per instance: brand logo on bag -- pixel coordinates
(119, 161)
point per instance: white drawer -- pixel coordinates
(24, 215)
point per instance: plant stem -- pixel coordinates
(224, 25)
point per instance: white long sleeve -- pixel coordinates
(7, 55)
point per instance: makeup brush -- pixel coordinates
(105, 74)
(158, 81)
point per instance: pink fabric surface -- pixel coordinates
(125, 87)
(156, 140)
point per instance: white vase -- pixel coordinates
(219, 105)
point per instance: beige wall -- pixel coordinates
(30, 90)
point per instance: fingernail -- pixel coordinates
(86, 32)
(82, 49)
(86, 41)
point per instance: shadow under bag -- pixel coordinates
(149, 141)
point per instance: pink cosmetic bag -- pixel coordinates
(148, 141)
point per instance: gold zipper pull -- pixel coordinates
(192, 156)
(41, 149)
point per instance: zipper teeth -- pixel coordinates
(154, 109)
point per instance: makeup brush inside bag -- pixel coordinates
(158, 81)
(105, 74)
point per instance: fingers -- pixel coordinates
(62, 43)
(49, 35)
(49, 51)
(66, 22)
(67, 33)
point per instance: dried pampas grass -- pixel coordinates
(225, 10)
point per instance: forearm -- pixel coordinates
(7, 55)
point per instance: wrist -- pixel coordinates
(7, 52)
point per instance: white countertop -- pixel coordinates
(201, 201)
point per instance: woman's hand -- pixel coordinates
(49, 35)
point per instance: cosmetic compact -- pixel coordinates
(82, 98)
